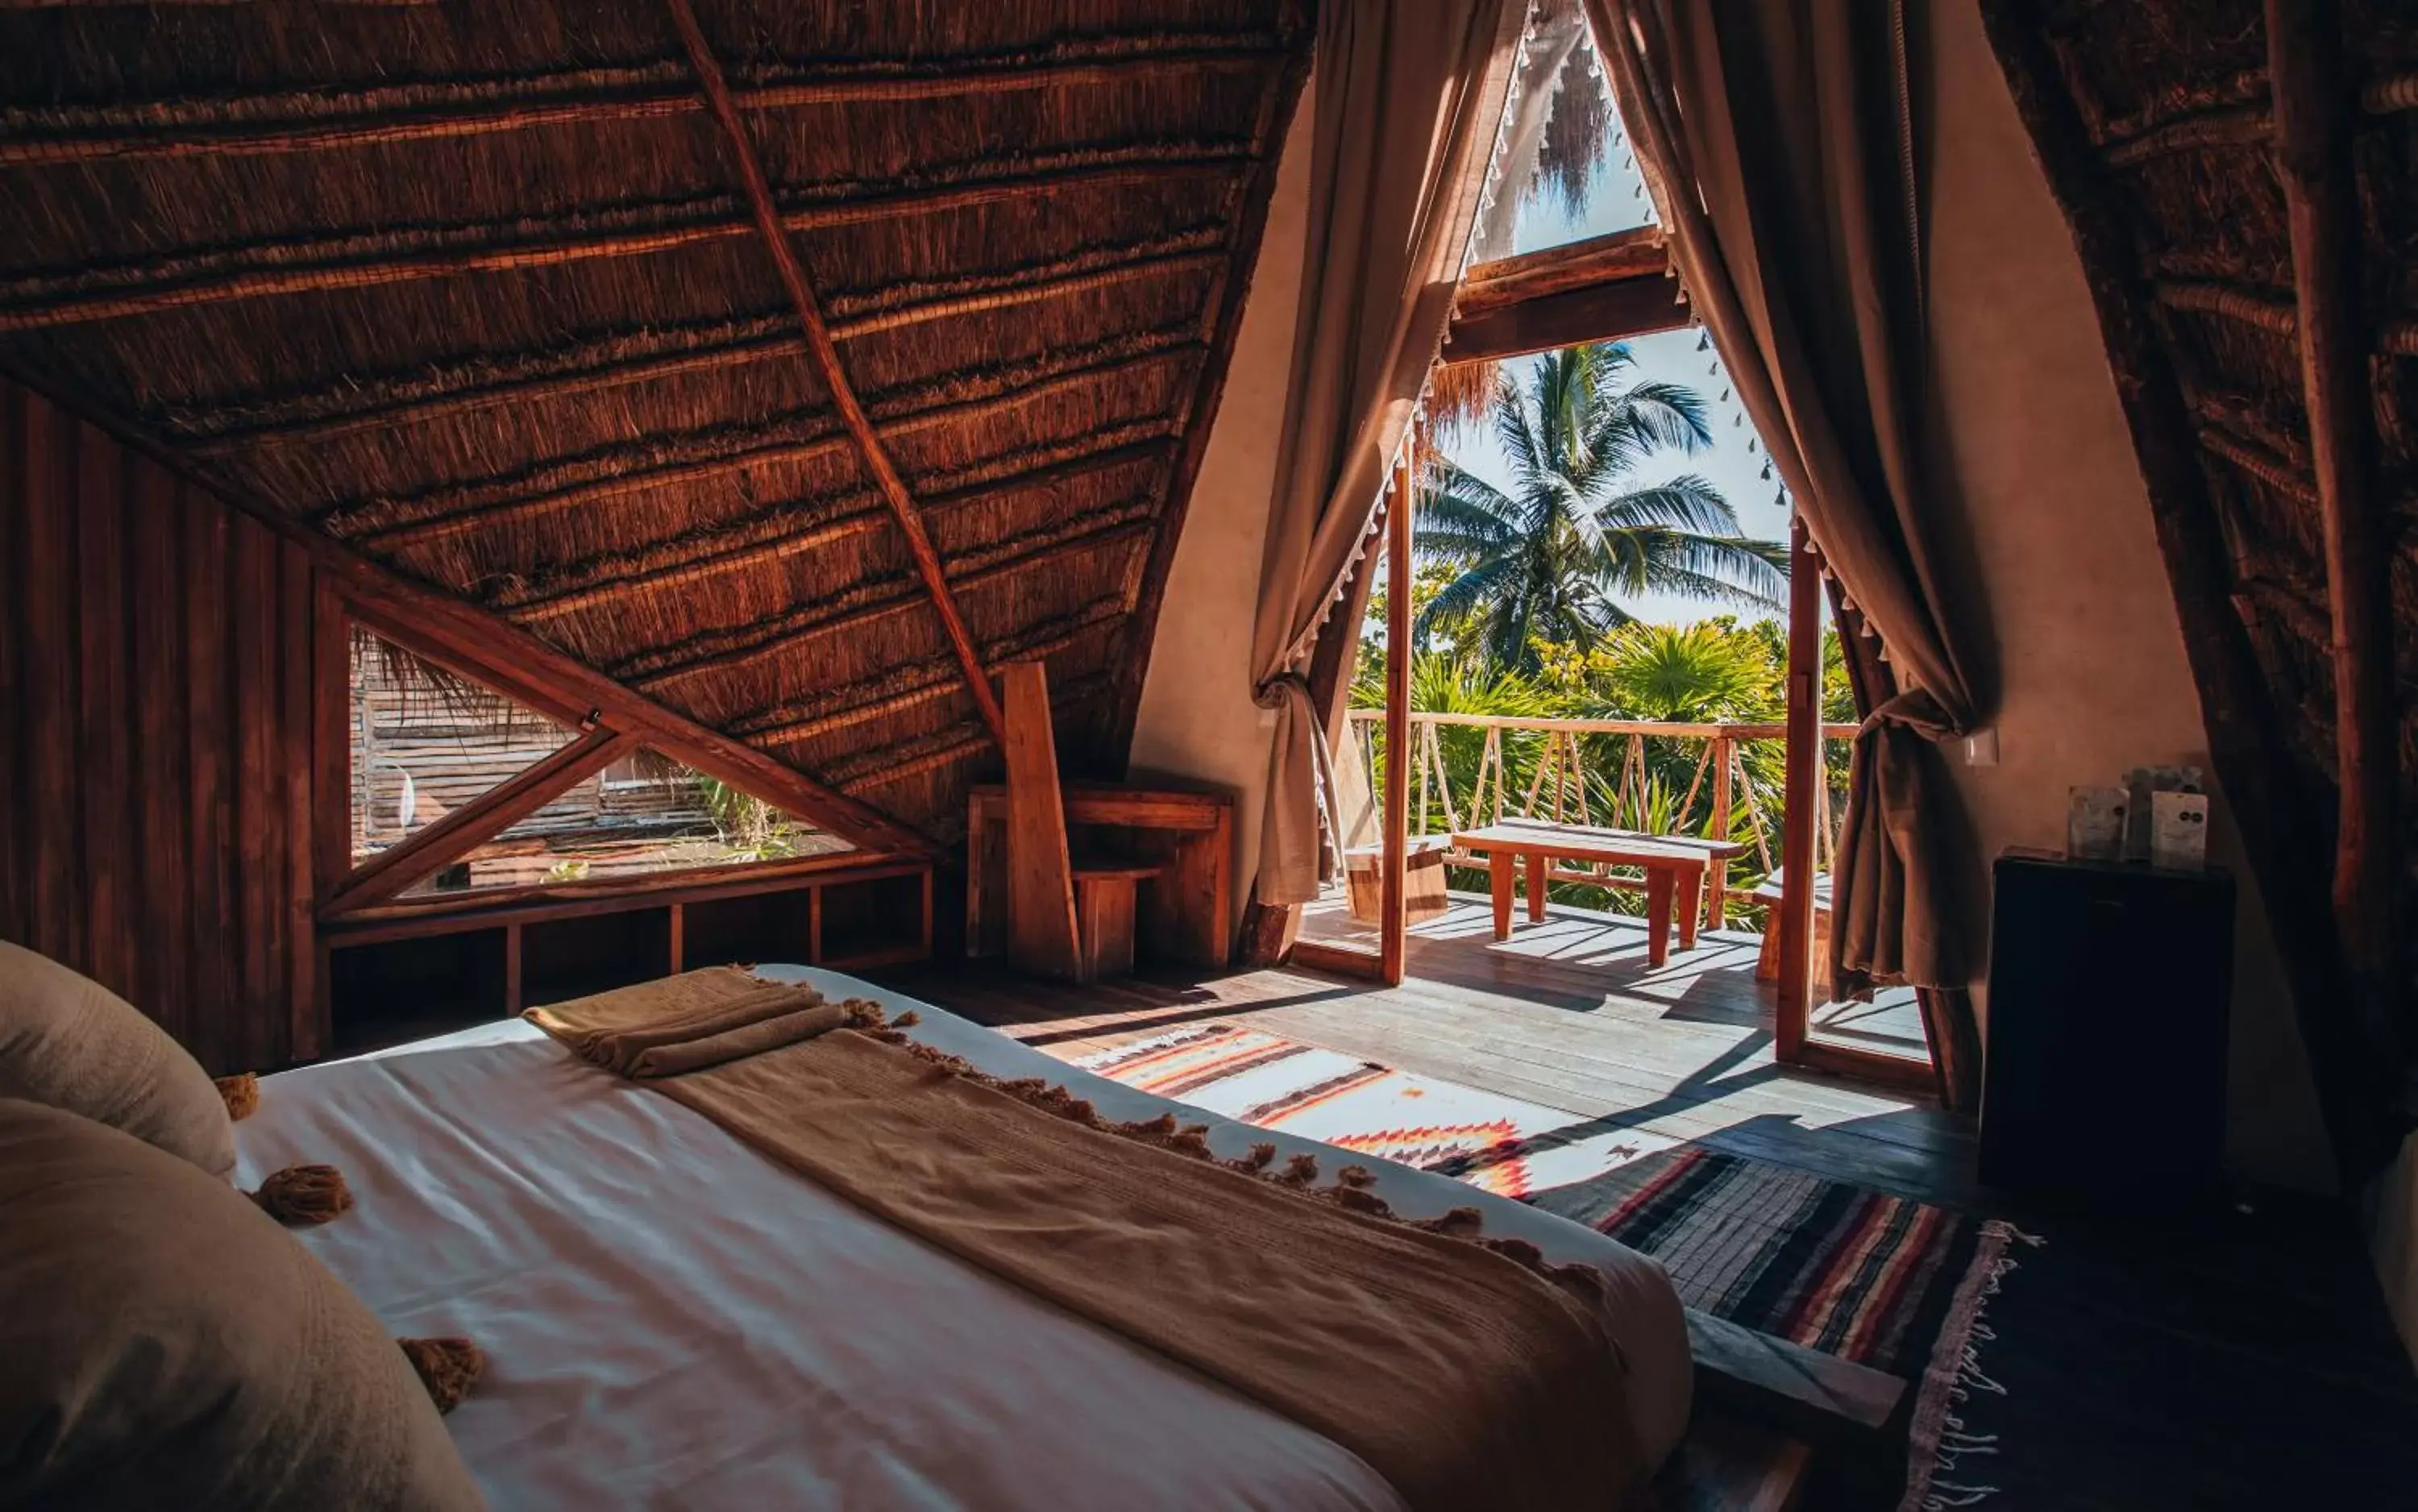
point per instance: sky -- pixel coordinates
(1615, 203)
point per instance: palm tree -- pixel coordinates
(1552, 558)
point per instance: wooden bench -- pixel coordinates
(1674, 867)
(1767, 964)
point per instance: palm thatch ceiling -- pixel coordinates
(474, 288)
(2158, 123)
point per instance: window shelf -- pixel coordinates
(407, 973)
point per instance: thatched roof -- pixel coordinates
(473, 289)
(2157, 122)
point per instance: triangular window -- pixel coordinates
(425, 742)
(1563, 171)
(457, 789)
(644, 814)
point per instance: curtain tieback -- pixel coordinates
(1913, 710)
(1292, 689)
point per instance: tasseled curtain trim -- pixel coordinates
(448, 1368)
(301, 1196)
(1299, 1173)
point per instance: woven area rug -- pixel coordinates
(1499, 1144)
(1883, 1281)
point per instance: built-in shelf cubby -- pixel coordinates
(414, 970)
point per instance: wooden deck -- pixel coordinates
(1610, 948)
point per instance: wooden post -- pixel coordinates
(514, 997)
(1794, 1013)
(1717, 895)
(2313, 102)
(1393, 945)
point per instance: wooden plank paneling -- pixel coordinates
(104, 773)
(156, 602)
(258, 807)
(299, 639)
(13, 922)
(155, 774)
(210, 806)
(46, 588)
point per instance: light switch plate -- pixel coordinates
(1982, 748)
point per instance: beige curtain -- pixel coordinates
(1776, 136)
(1409, 99)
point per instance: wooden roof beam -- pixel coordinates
(825, 355)
(1605, 288)
(869, 602)
(2313, 158)
(880, 697)
(951, 743)
(700, 557)
(234, 127)
(478, 503)
(269, 268)
(644, 356)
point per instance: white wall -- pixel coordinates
(2073, 591)
(1197, 718)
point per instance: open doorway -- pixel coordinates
(1597, 719)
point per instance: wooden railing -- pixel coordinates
(1551, 781)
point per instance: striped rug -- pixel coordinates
(1883, 1281)
(1500, 1144)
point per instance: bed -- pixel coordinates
(672, 1320)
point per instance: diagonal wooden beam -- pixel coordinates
(2312, 97)
(825, 354)
(477, 822)
(487, 647)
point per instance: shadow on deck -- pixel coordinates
(1714, 982)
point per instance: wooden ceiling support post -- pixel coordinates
(2313, 102)
(825, 355)
(1393, 923)
(1793, 1015)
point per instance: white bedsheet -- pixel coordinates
(673, 1320)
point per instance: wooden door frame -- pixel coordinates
(1793, 1042)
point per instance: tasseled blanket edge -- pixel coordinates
(1299, 1174)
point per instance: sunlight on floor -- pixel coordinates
(1567, 1013)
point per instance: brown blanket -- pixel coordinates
(1464, 1376)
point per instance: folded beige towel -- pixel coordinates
(685, 1023)
(746, 1039)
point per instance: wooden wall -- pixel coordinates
(155, 740)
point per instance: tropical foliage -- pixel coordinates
(1552, 560)
(1716, 671)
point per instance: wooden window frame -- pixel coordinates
(375, 883)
